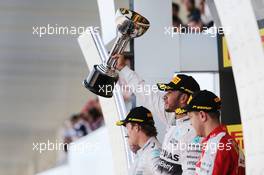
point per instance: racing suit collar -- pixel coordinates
(217, 130)
(182, 120)
(146, 145)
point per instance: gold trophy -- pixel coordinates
(102, 78)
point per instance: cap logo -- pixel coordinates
(135, 120)
(164, 87)
(202, 107)
(176, 80)
(180, 111)
(187, 90)
(190, 99)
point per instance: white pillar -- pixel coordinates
(247, 56)
(109, 109)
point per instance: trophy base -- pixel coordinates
(100, 83)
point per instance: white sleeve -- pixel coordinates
(151, 100)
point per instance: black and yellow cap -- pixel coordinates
(181, 82)
(203, 101)
(137, 115)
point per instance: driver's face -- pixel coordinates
(132, 134)
(171, 100)
(196, 122)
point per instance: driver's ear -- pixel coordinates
(184, 98)
(137, 127)
(203, 116)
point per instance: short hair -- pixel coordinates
(215, 115)
(149, 129)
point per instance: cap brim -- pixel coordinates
(164, 87)
(121, 123)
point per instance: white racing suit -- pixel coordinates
(175, 157)
(147, 158)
